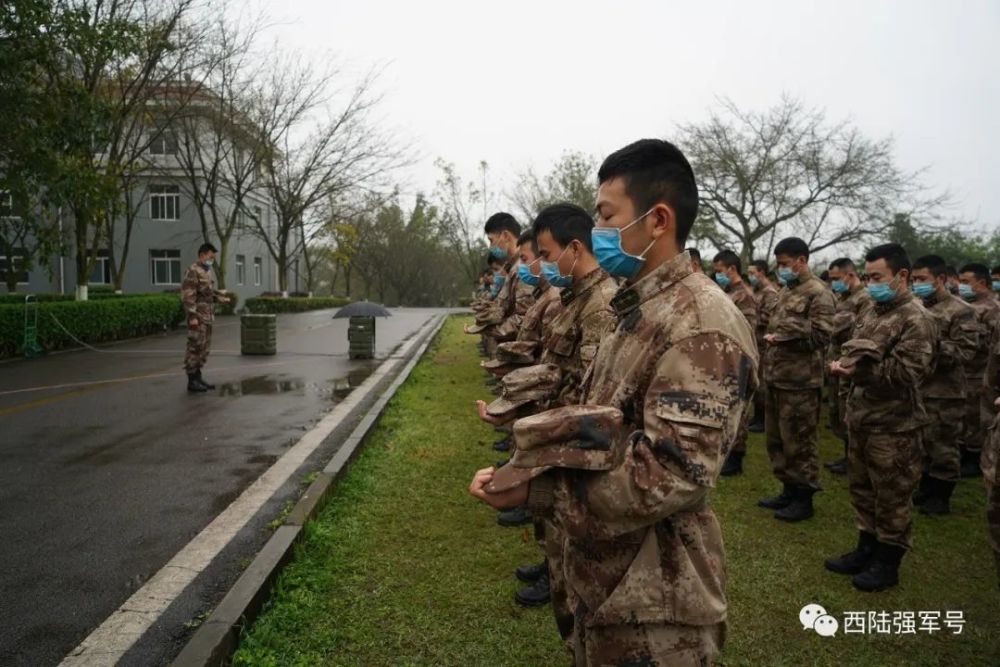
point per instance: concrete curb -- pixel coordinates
(218, 637)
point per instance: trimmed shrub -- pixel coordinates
(272, 305)
(97, 321)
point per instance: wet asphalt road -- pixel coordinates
(111, 467)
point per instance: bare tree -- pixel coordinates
(304, 170)
(787, 171)
(464, 208)
(572, 179)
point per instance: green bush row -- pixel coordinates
(293, 304)
(96, 321)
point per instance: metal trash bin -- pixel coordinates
(361, 337)
(258, 334)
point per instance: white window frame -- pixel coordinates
(169, 257)
(167, 196)
(241, 269)
(258, 271)
(165, 144)
(3, 269)
(104, 263)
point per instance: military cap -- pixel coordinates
(575, 436)
(524, 385)
(513, 353)
(478, 328)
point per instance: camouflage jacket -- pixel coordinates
(642, 545)
(802, 321)
(509, 308)
(847, 309)
(745, 300)
(537, 322)
(198, 293)
(987, 318)
(958, 340)
(885, 395)
(585, 319)
(767, 299)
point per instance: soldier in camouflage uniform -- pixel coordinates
(643, 556)
(974, 287)
(945, 391)
(198, 295)
(729, 275)
(851, 301)
(991, 452)
(562, 234)
(797, 338)
(887, 361)
(767, 297)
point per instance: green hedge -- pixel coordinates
(95, 321)
(293, 304)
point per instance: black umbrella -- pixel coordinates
(362, 309)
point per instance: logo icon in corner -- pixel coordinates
(814, 617)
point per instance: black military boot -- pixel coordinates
(208, 385)
(801, 507)
(536, 595)
(939, 499)
(194, 384)
(502, 445)
(923, 491)
(733, 465)
(854, 562)
(756, 424)
(529, 574)
(517, 516)
(883, 570)
(779, 501)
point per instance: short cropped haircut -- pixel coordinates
(977, 269)
(206, 247)
(656, 171)
(729, 258)
(526, 236)
(894, 255)
(502, 222)
(843, 264)
(762, 266)
(566, 223)
(793, 246)
(933, 263)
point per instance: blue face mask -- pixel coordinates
(526, 276)
(498, 280)
(497, 252)
(996, 285)
(754, 281)
(965, 291)
(722, 279)
(550, 271)
(207, 264)
(838, 286)
(923, 290)
(881, 292)
(786, 275)
(607, 242)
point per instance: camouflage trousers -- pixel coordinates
(883, 472)
(740, 442)
(838, 407)
(942, 438)
(562, 600)
(991, 477)
(648, 645)
(975, 426)
(199, 341)
(791, 422)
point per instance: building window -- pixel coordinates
(164, 144)
(241, 269)
(101, 275)
(19, 268)
(165, 202)
(258, 271)
(165, 267)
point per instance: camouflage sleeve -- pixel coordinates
(691, 410)
(748, 306)
(593, 327)
(959, 344)
(189, 292)
(821, 313)
(766, 307)
(909, 360)
(524, 298)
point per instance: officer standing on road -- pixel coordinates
(198, 295)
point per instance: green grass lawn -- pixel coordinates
(402, 567)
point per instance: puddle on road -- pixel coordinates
(268, 385)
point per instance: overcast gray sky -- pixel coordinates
(518, 83)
